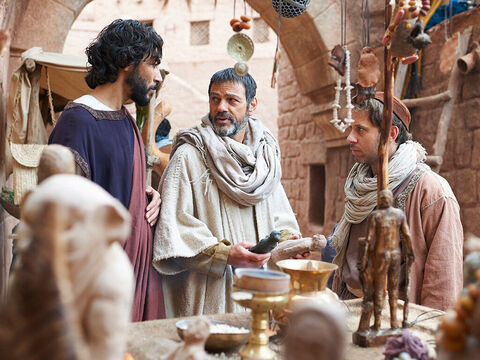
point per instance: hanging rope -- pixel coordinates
(343, 23)
(347, 121)
(276, 58)
(365, 23)
(50, 98)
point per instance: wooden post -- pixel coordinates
(7, 18)
(382, 169)
(148, 144)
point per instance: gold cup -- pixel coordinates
(260, 291)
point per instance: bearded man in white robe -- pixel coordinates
(221, 194)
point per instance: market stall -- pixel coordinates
(152, 339)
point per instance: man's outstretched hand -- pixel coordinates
(153, 207)
(240, 257)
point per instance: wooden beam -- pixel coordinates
(428, 100)
(454, 85)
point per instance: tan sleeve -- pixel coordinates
(443, 274)
(212, 261)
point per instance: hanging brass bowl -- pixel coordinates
(240, 47)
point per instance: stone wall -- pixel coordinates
(461, 163)
(301, 144)
(306, 137)
(191, 66)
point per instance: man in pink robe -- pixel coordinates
(430, 207)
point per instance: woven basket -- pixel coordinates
(26, 158)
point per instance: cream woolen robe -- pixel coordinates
(194, 216)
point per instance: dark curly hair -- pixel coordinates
(120, 44)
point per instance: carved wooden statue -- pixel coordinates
(72, 287)
(379, 266)
(316, 332)
(193, 347)
(55, 159)
(289, 248)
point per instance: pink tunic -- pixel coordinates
(433, 216)
(148, 301)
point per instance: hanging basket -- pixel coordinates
(26, 159)
(290, 8)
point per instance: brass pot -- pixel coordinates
(308, 283)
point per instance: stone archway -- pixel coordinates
(31, 23)
(306, 40)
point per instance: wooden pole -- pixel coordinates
(148, 144)
(7, 18)
(382, 169)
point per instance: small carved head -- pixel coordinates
(385, 199)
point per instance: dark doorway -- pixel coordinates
(316, 207)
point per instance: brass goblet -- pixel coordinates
(260, 291)
(308, 282)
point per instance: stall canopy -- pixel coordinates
(42, 84)
(66, 72)
(39, 88)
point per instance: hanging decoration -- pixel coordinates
(368, 72)
(240, 47)
(244, 22)
(404, 35)
(340, 61)
(287, 9)
(290, 8)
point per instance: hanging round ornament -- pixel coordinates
(240, 48)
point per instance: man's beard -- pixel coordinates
(139, 88)
(233, 129)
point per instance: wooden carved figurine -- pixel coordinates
(405, 35)
(379, 266)
(289, 248)
(316, 332)
(195, 338)
(55, 159)
(79, 308)
(368, 75)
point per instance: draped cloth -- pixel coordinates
(246, 172)
(361, 188)
(148, 302)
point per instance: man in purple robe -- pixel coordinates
(107, 145)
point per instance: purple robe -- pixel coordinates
(108, 148)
